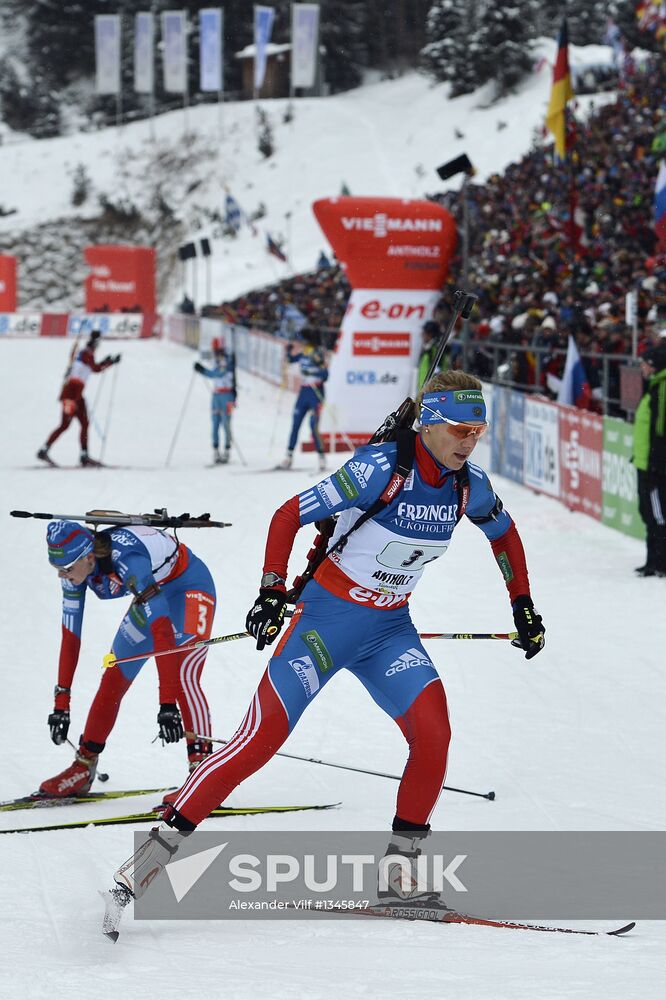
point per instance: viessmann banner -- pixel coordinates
(396, 254)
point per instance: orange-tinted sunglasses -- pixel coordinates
(462, 430)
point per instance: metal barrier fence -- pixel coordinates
(614, 378)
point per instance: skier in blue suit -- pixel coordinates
(223, 397)
(313, 368)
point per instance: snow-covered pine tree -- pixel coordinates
(342, 27)
(61, 40)
(587, 21)
(449, 53)
(504, 42)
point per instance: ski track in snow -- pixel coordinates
(571, 740)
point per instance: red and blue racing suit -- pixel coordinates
(355, 615)
(176, 605)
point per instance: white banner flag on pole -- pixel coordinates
(210, 49)
(144, 46)
(304, 35)
(263, 27)
(174, 52)
(107, 53)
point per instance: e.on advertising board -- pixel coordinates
(581, 449)
(396, 255)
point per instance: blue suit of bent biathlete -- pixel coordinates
(355, 613)
(136, 563)
(313, 373)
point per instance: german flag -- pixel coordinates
(561, 92)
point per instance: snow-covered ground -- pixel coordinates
(572, 740)
(386, 138)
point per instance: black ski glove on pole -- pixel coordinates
(58, 722)
(170, 723)
(530, 627)
(266, 617)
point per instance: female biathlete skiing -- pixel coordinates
(355, 615)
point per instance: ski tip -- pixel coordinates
(622, 930)
(112, 935)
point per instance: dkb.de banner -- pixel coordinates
(396, 254)
(508, 415)
(542, 446)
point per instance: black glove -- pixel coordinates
(115, 359)
(266, 617)
(530, 627)
(58, 725)
(198, 367)
(170, 723)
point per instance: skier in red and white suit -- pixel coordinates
(71, 396)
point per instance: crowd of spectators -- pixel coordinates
(553, 249)
(542, 271)
(319, 296)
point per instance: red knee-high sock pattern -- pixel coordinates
(425, 726)
(263, 731)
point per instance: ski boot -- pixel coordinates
(135, 875)
(225, 457)
(322, 463)
(399, 882)
(74, 780)
(286, 461)
(43, 454)
(87, 462)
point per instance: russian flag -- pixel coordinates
(660, 203)
(273, 247)
(574, 388)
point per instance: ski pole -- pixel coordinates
(278, 409)
(240, 453)
(101, 775)
(336, 430)
(105, 435)
(346, 767)
(468, 635)
(180, 419)
(93, 409)
(110, 660)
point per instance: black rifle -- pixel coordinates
(160, 519)
(404, 416)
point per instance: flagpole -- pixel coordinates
(573, 201)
